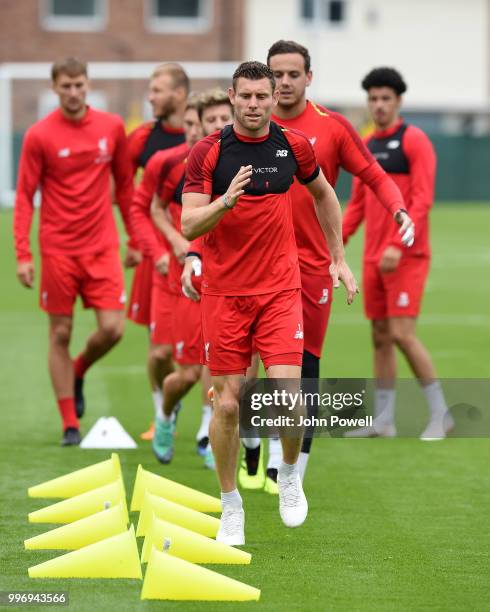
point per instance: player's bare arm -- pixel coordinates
(390, 259)
(199, 215)
(330, 218)
(161, 220)
(25, 273)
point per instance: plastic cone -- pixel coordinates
(189, 545)
(169, 577)
(176, 514)
(81, 533)
(115, 557)
(80, 506)
(81, 481)
(173, 491)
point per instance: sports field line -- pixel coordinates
(463, 320)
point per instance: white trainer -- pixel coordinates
(438, 428)
(376, 430)
(293, 506)
(232, 527)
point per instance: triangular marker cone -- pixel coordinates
(190, 545)
(115, 557)
(80, 481)
(169, 577)
(80, 506)
(176, 514)
(81, 533)
(173, 491)
(108, 433)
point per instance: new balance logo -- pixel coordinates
(122, 298)
(299, 333)
(64, 152)
(393, 144)
(324, 298)
(179, 348)
(403, 300)
(281, 153)
(206, 350)
(313, 141)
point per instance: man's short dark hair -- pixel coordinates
(71, 66)
(254, 71)
(385, 77)
(289, 46)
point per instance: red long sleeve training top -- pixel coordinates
(406, 153)
(71, 162)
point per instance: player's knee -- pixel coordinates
(113, 331)
(161, 352)
(402, 338)
(381, 336)
(60, 334)
(227, 409)
(191, 374)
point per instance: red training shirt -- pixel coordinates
(407, 154)
(252, 249)
(71, 162)
(336, 145)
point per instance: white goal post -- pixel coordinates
(19, 71)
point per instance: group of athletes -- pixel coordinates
(236, 237)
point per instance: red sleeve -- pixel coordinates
(121, 169)
(386, 190)
(30, 171)
(136, 142)
(200, 166)
(354, 212)
(143, 227)
(308, 168)
(195, 247)
(422, 161)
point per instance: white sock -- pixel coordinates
(435, 399)
(251, 442)
(233, 499)
(302, 463)
(384, 406)
(275, 454)
(158, 403)
(207, 413)
(287, 470)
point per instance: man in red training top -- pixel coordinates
(70, 155)
(164, 176)
(394, 276)
(236, 196)
(336, 145)
(168, 91)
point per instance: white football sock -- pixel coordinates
(435, 398)
(157, 396)
(302, 463)
(275, 454)
(233, 499)
(207, 413)
(384, 406)
(251, 442)
(287, 470)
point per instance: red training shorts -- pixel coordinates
(394, 294)
(317, 295)
(162, 306)
(186, 331)
(273, 322)
(98, 278)
(139, 307)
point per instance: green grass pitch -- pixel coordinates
(393, 524)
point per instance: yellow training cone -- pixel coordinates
(175, 513)
(189, 545)
(180, 494)
(75, 483)
(169, 577)
(81, 533)
(115, 557)
(80, 506)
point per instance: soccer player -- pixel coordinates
(394, 276)
(70, 155)
(168, 92)
(237, 197)
(211, 111)
(337, 146)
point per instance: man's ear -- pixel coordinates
(309, 78)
